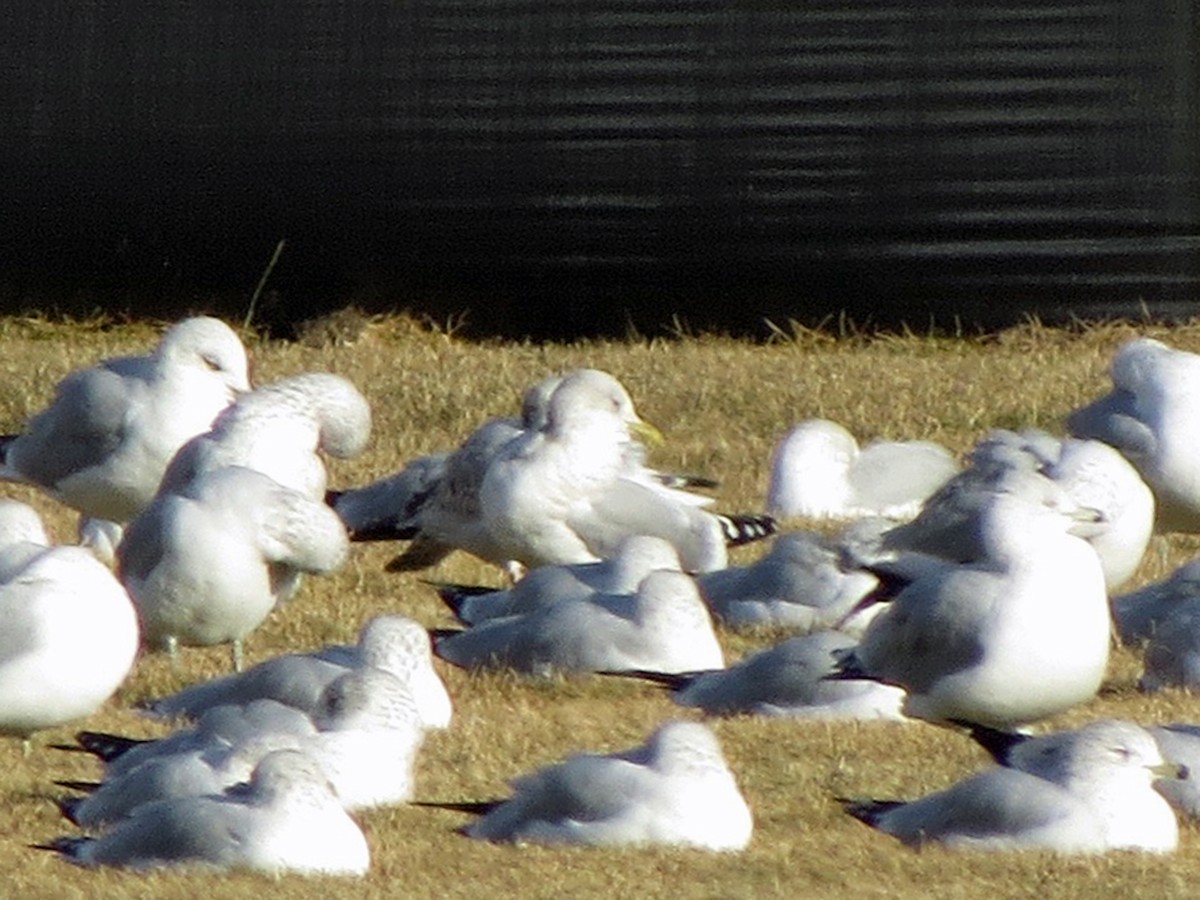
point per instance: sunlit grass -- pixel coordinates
(722, 404)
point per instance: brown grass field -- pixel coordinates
(722, 404)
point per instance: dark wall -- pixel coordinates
(563, 166)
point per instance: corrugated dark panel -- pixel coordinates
(887, 156)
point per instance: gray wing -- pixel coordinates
(931, 630)
(1000, 808)
(295, 680)
(628, 507)
(389, 508)
(888, 474)
(1114, 420)
(82, 427)
(583, 789)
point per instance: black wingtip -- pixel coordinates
(87, 787)
(382, 531)
(866, 810)
(997, 742)
(107, 746)
(673, 681)
(682, 481)
(69, 807)
(474, 808)
(746, 528)
(68, 846)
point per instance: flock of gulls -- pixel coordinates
(979, 595)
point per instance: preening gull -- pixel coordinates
(819, 472)
(70, 633)
(102, 445)
(280, 430)
(1018, 636)
(1150, 416)
(675, 789)
(663, 627)
(207, 565)
(393, 643)
(1084, 791)
(286, 819)
(787, 679)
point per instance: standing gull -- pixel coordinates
(435, 500)
(278, 430)
(1017, 636)
(570, 491)
(69, 634)
(207, 565)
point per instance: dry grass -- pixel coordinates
(722, 404)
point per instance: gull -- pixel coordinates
(103, 443)
(1037, 464)
(22, 536)
(570, 491)
(664, 627)
(636, 557)
(1180, 744)
(1085, 791)
(221, 726)
(787, 679)
(1172, 655)
(675, 789)
(819, 472)
(207, 565)
(1015, 637)
(805, 582)
(70, 632)
(1149, 415)
(393, 643)
(365, 734)
(286, 819)
(1139, 614)
(278, 430)
(208, 769)
(434, 500)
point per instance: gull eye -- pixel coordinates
(212, 362)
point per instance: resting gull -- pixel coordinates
(286, 819)
(103, 443)
(675, 789)
(1084, 791)
(819, 472)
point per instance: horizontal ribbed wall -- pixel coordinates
(892, 158)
